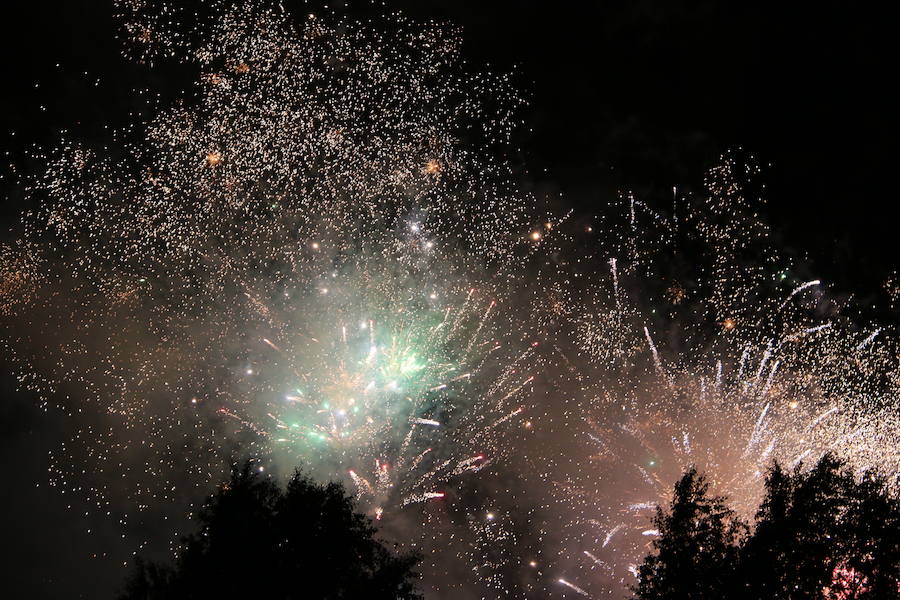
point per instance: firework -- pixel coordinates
(305, 264)
(321, 258)
(754, 369)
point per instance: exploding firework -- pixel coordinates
(754, 369)
(305, 263)
(320, 257)
(402, 395)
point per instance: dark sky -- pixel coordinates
(642, 93)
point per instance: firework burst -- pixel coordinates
(320, 256)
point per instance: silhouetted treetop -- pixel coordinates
(695, 548)
(257, 540)
(819, 534)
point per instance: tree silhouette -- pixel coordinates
(824, 534)
(258, 540)
(873, 538)
(696, 548)
(769, 550)
(821, 534)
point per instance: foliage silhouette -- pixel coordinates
(824, 534)
(696, 548)
(258, 540)
(821, 534)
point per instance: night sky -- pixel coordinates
(637, 95)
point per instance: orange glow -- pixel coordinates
(433, 167)
(213, 159)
